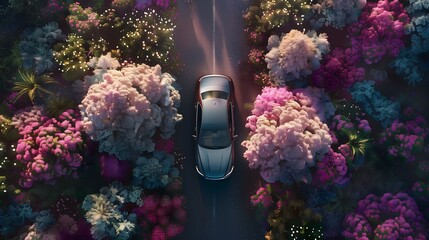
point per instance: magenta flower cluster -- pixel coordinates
(341, 122)
(48, 146)
(55, 6)
(164, 145)
(405, 139)
(380, 30)
(163, 216)
(262, 198)
(82, 20)
(339, 70)
(387, 217)
(332, 169)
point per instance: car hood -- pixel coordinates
(214, 163)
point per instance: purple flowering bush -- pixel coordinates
(286, 137)
(50, 147)
(404, 139)
(380, 30)
(163, 4)
(339, 70)
(332, 169)
(391, 216)
(113, 169)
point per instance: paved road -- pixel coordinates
(216, 209)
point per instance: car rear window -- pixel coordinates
(214, 94)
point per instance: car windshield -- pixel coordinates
(214, 94)
(214, 139)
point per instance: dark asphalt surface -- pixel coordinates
(215, 209)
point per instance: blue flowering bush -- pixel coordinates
(412, 63)
(380, 108)
(43, 220)
(36, 47)
(14, 217)
(336, 13)
(155, 171)
(105, 214)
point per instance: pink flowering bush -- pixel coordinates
(256, 57)
(339, 70)
(124, 111)
(262, 198)
(317, 99)
(404, 139)
(332, 169)
(387, 217)
(162, 216)
(82, 20)
(48, 146)
(295, 55)
(286, 137)
(262, 78)
(380, 30)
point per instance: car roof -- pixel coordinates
(215, 113)
(214, 83)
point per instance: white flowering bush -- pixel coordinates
(295, 55)
(286, 137)
(101, 65)
(124, 111)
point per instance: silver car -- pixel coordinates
(214, 126)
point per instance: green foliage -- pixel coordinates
(150, 37)
(31, 85)
(294, 216)
(275, 14)
(71, 56)
(358, 143)
(56, 105)
(9, 63)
